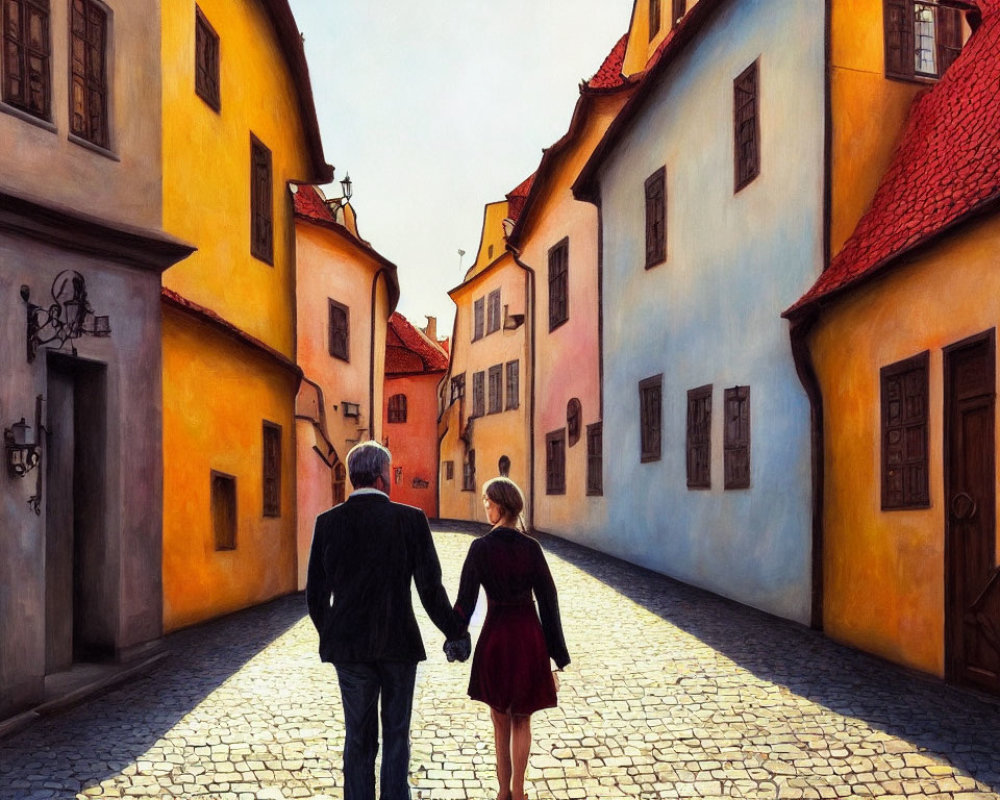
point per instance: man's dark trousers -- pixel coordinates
(361, 684)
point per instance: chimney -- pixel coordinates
(431, 331)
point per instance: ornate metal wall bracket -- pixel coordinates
(67, 318)
(22, 455)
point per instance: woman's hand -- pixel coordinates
(555, 678)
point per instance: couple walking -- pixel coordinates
(365, 552)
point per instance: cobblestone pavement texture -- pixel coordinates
(672, 693)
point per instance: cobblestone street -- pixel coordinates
(672, 693)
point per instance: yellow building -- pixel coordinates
(483, 426)
(899, 336)
(238, 126)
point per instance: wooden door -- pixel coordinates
(972, 588)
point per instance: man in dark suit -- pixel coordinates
(364, 554)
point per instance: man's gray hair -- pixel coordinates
(366, 461)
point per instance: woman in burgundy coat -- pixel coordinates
(511, 672)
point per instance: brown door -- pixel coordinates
(972, 589)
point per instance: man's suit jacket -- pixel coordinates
(364, 554)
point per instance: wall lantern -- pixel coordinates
(23, 454)
(67, 318)
(345, 187)
(351, 409)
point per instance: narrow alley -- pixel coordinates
(672, 693)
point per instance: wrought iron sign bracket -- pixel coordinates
(66, 319)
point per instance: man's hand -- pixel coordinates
(458, 649)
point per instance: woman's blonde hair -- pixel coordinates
(507, 495)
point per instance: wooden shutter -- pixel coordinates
(478, 394)
(650, 417)
(574, 414)
(654, 19)
(699, 438)
(339, 330)
(496, 388)
(656, 216)
(898, 24)
(477, 310)
(904, 389)
(949, 37)
(746, 127)
(736, 439)
(272, 470)
(206, 76)
(679, 8)
(493, 312)
(555, 462)
(513, 384)
(261, 202)
(558, 284)
(27, 81)
(595, 458)
(88, 72)
(397, 408)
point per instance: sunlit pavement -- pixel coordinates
(672, 693)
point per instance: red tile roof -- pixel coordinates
(609, 75)
(308, 204)
(409, 351)
(518, 196)
(946, 169)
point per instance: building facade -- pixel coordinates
(238, 127)
(82, 249)
(345, 294)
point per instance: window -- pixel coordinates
(503, 465)
(904, 434)
(493, 311)
(339, 331)
(272, 470)
(478, 394)
(513, 384)
(559, 284)
(27, 81)
(478, 308)
(261, 202)
(746, 126)
(469, 472)
(496, 389)
(206, 61)
(574, 412)
(922, 38)
(654, 18)
(679, 8)
(595, 457)
(699, 438)
(656, 218)
(449, 470)
(88, 75)
(224, 510)
(555, 462)
(736, 438)
(650, 412)
(397, 408)
(339, 483)
(457, 387)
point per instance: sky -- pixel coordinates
(439, 107)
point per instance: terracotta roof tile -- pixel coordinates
(946, 167)
(309, 204)
(609, 75)
(416, 353)
(518, 196)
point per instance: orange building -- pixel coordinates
(345, 293)
(414, 365)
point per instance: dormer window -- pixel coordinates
(922, 38)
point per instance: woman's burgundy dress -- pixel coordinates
(510, 668)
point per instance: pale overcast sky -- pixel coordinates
(439, 107)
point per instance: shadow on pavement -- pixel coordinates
(108, 733)
(961, 726)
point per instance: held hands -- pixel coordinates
(458, 649)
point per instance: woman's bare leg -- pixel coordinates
(501, 736)
(520, 745)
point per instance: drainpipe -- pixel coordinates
(529, 395)
(371, 361)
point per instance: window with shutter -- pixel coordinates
(493, 312)
(339, 330)
(574, 413)
(469, 472)
(555, 462)
(457, 387)
(513, 385)
(904, 390)
(496, 388)
(650, 417)
(478, 321)
(922, 37)
(654, 18)
(558, 284)
(699, 438)
(449, 470)
(595, 459)
(478, 394)
(261, 202)
(27, 79)
(397, 408)
(272, 470)
(223, 500)
(88, 72)
(736, 438)
(656, 218)
(206, 65)
(746, 125)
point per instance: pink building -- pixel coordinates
(414, 366)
